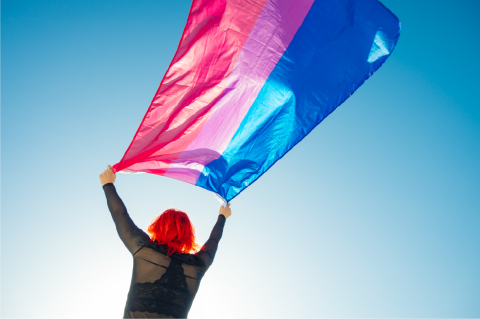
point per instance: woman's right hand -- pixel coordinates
(225, 211)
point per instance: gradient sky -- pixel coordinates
(375, 214)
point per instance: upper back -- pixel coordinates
(164, 285)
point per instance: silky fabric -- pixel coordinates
(161, 286)
(250, 80)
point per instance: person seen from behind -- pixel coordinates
(168, 265)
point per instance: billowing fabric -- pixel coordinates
(250, 79)
(161, 286)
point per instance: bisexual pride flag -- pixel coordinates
(250, 79)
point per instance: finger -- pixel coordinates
(109, 168)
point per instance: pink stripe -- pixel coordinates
(274, 30)
(211, 43)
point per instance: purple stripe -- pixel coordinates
(266, 43)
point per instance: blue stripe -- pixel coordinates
(339, 45)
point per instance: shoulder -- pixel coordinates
(139, 236)
(190, 259)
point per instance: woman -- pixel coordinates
(165, 276)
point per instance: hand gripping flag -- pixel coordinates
(250, 79)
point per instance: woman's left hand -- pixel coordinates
(107, 176)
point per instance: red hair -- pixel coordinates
(174, 230)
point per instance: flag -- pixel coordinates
(250, 79)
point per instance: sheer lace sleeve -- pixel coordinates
(132, 236)
(207, 253)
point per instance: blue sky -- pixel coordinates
(375, 214)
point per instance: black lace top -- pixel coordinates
(161, 287)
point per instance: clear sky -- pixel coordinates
(375, 214)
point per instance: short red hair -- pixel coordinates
(174, 230)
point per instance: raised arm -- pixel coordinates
(129, 233)
(207, 253)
